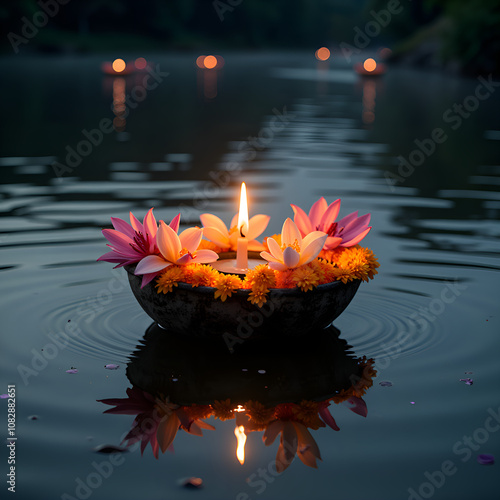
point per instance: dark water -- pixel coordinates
(428, 319)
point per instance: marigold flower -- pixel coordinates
(307, 413)
(258, 296)
(170, 278)
(305, 277)
(201, 275)
(226, 285)
(261, 277)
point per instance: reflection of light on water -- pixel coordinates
(369, 95)
(140, 63)
(119, 65)
(370, 65)
(207, 75)
(322, 54)
(119, 107)
(239, 432)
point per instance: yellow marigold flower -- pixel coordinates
(328, 272)
(307, 413)
(332, 255)
(226, 284)
(201, 275)
(258, 296)
(167, 280)
(258, 413)
(262, 277)
(223, 410)
(305, 277)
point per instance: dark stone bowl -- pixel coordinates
(194, 311)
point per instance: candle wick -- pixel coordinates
(241, 231)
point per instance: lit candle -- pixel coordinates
(242, 247)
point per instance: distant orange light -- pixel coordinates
(385, 52)
(119, 65)
(370, 65)
(239, 432)
(199, 61)
(210, 62)
(322, 54)
(220, 62)
(140, 63)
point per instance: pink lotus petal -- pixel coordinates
(4, 396)
(167, 430)
(205, 256)
(119, 241)
(332, 242)
(357, 405)
(312, 250)
(234, 221)
(290, 233)
(185, 259)
(301, 220)
(210, 220)
(123, 227)
(214, 235)
(150, 225)
(358, 224)
(168, 243)
(257, 225)
(305, 439)
(72, 370)
(275, 249)
(134, 222)
(151, 264)
(277, 266)
(267, 256)
(113, 257)
(174, 224)
(291, 257)
(190, 238)
(317, 211)
(328, 218)
(347, 219)
(147, 278)
(111, 366)
(356, 239)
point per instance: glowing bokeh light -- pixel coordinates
(322, 54)
(210, 62)
(370, 65)
(140, 63)
(200, 61)
(119, 65)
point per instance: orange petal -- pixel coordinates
(210, 220)
(257, 225)
(168, 242)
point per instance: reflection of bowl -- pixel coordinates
(269, 371)
(288, 312)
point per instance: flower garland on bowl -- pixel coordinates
(313, 249)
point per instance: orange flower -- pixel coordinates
(258, 413)
(305, 277)
(226, 285)
(201, 275)
(223, 410)
(261, 277)
(258, 296)
(167, 280)
(307, 413)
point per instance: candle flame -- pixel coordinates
(243, 213)
(239, 432)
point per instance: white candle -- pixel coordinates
(242, 245)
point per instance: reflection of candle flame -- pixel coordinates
(239, 432)
(243, 213)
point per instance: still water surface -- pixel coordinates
(293, 131)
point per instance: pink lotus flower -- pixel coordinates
(295, 251)
(346, 232)
(175, 249)
(295, 439)
(130, 243)
(217, 232)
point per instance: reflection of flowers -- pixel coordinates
(346, 232)
(294, 251)
(157, 421)
(217, 232)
